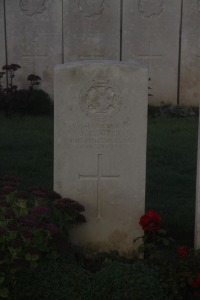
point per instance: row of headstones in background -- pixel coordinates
(41, 34)
(2, 36)
(100, 130)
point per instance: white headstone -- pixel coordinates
(190, 54)
(100, 149)
(34, 31)
(2, 36)
(91, 29)
(197, 208)
(151, 36)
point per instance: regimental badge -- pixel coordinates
(100, 99)
(151, 8)
(91, 8)
(33, 7)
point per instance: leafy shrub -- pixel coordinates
(27, 102)
(60, 279)
(129, 281)
(172, 111)
(31, 102)
(33, 225)
(39, 103)
(64, 279)
(179, 269)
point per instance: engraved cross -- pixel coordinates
(150, 56)
(34, 55)
(98, 178)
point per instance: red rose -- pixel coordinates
(182, 251)
(151, 221)
(196, 285)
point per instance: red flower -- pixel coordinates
(182, 251)
(196, 282)
(151, 221)
(196, 285)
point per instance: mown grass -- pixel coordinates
(171, 173)
(26, 151)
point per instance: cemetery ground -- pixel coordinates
(27, 152)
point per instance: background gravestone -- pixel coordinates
(190, 54)
(100, 149)
(2, 37)
(151, 36)
(197, 208)
(34, 30)
(91, 29)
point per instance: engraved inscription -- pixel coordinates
(100, 99)
(98, 178)
(33, 7)
(151, 8)
(91, 8)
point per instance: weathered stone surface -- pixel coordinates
(2, 36)
(197, 208)
(91, 29)
(190, 54)
(34, 30)
(151, 36)
(100, 149)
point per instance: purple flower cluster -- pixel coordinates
(12, 226)
(42, 192)
(9, 213)
(52, 228)
(4, 203)
(26, 233)
(66, 204)
(27, 220)
(22, 194)
(8, 189)
(40, 210)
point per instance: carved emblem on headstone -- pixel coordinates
(33, 7)
(91, 8)
(151, 8)
(100, 99)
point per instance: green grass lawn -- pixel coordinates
(171, 173)
(26, 151)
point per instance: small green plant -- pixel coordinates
(33, 225)
(172, 111)
(10, 74)
(25, 102)
(34, 80)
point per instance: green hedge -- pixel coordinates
(64, 279)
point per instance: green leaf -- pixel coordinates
(166, 242)
(4, 292)
(1, 279)
(31, 258)
(162, 231)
